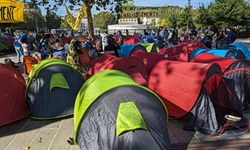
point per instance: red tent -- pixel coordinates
(12, 93)
(10, 41)
(179, 53)
(105, 62)
(149, 59)
(224, 62)
(195, 95)
(235, 73)
(189, 41)
(193, 46)
(131, 40)
(130, 65)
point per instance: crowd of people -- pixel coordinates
(55, 46)
(50, 46)
(221, 37)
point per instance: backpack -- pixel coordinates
(234, 37)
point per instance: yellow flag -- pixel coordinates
(11, 11)
(75, 24)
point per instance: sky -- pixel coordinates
(157, 3)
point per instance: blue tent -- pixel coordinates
(241, 50)
(217, 52)
(127, 49)
(148, 39)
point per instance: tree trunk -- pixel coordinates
(90, 22)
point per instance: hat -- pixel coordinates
(57, 46)
(81, 38)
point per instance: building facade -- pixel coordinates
(130, 24)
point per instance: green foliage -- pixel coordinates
(103, 19)
(203, 17)
(139, 21)
(153, 24)
(53, 20)
(172, 18)
(65, 24)
(164, 23)
(230, 12)
(111, 5)
(183, 18)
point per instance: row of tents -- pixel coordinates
(55, 89)
(148, 86)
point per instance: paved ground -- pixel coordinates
(53, 134)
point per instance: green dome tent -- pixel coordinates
(2, 46)
(52, 89)
(151, 47)
(113, 112)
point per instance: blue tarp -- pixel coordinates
(217, 52)
(238, 47)
(127, 49)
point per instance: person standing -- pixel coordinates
(104, 36)
(145, 32)
(52, 40)
(166, 34)
(206, 31)
(120, 38)
(127, 33)
(199, 34)
(161, 32)
(66, 47)
(74, 49)
(26, 47)
(44, 45)
(228, 35)
(18, 48)
(24, 36)
(220, 39)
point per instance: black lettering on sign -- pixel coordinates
(7, 13)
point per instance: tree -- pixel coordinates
(112, 5)
(230, 12)
(139, 20)
(103, 19)
(183, 18)
(173, 18)
(164, 23)
(65, 24)
(53, 21)
(153, 24)
(203, 17)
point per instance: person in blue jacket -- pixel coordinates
(18, 48)
(228, 35)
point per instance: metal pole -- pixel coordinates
(188, 15)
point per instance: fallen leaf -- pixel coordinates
(28, 147)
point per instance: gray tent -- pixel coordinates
(52, 89)
(112, 112)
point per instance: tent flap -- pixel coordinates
(58, 80)
(129, 118)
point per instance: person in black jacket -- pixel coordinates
(220, 39)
